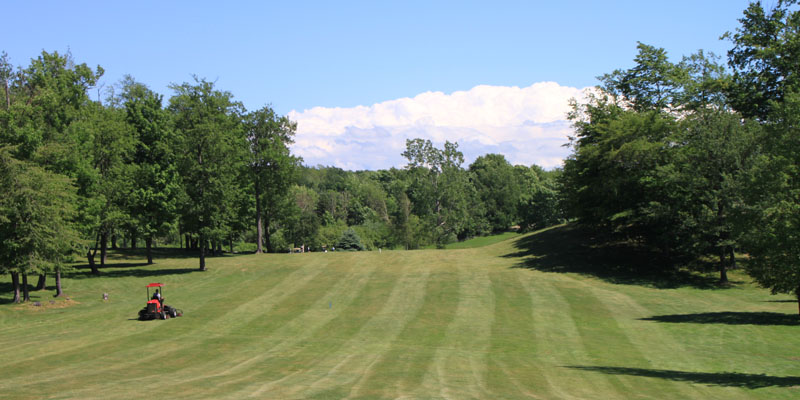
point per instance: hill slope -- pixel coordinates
(488, 322)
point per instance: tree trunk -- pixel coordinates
(15, 285)
(42, 281)
(732, 254)
(267, 237)
(230, 242)
(259, 230)
(59, 292)
(797, 294)
(149, 243)
(25, 294)
(114, 241)
(202, 254)
(90, 256)
(133, 241)
(723, 271)
(103, 248)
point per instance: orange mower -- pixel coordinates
(155, 307)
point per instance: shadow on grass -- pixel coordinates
(730, 379)
(132, 271)
(729, 318)
(567, 248)
(5, 288)
(158, 253)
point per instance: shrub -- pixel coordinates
(350, 241)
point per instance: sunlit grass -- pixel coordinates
(525, 316)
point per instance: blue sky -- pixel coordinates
(345, 59)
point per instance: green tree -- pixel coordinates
(37, 232)
(272, 167)
(211, 148)
(774, 188)
(766, 47)
(498, 190)
(47, 107)
(539, 204)
(440, 188)
(155, 185)
(350, 241)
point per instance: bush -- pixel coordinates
(350, 241)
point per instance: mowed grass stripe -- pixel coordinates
(668, 354)
(282, 341)
(514, 365)
(604, 339)
(559, 340)
(304, 354)
(354, 358)
(459, 368)
(400, 371)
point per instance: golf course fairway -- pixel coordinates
(510, 320)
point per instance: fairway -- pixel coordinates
(484, 322)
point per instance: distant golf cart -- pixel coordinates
(155, 307)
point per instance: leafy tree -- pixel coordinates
(154, 185)
(47, 106)
(764, 58)
(300, 218)
(498, 190)
(441, 190)
(210, 147)
(654, 83)
(37, 231)
(772, 240)
(272, 167)
(539, 204)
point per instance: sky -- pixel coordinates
(361, 77)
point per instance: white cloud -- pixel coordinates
(527, 125)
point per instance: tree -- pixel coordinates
(210, 148)
(764, 58)
(704, 183)
(47, 106)
(539, 203)
(773, 240)
(652, 84)
(37, 231)
(272, 167)
(659, 158)
(350, 241)
(155, 185)
(498, 190)
(441, 189)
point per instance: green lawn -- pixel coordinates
(527, 317)
(481, 241)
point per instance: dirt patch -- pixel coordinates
(46, 305)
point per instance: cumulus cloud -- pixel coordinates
(527, 125)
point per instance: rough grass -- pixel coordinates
(534, 316)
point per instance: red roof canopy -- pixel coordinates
(155, 285)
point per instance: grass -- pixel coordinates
(480, 241)
(532, 316)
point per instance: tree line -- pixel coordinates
(696, 161)
(201, 172)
